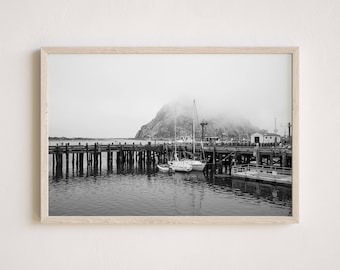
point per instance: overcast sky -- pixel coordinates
(108, 96)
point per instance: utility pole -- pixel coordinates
(275, 129)
(289, 139)
(289, 136)
(202, 125)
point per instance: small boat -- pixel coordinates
(164, 168)
(180, 166)
(176, 164)
(197, 165)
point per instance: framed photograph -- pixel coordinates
(169, 135)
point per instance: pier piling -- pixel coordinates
(139, 158)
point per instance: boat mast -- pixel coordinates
(193, 130)
(175, 135)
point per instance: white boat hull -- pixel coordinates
(163, 168)
(195, 164)
(180, 166)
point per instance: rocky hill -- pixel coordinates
(163, 125)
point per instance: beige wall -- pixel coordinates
(25, 26)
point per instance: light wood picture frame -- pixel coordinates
(89, 93)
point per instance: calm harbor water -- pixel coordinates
(134, 193)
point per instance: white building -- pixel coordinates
(265, 138)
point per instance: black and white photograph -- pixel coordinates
(170, 133)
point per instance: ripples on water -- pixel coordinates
(136, 194)
(162, 195)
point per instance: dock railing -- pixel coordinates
(262, 169)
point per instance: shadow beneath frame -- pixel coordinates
(35, 136)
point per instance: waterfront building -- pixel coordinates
(265, 138)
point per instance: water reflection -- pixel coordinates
(141, 190)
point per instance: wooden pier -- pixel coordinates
(127, 157)
(137, 158)
(222, 158)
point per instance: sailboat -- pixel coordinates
(197, 165)
(176, 164)
(180, 165)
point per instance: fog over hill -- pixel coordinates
(219, 122)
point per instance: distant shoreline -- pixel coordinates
(82, 138)
(100, 139)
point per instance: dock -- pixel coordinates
(263, 173)
(88, 159)
(91, 157)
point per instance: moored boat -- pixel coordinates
(180, 166)
(176, 164)
(196, 165)
(164, 168)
